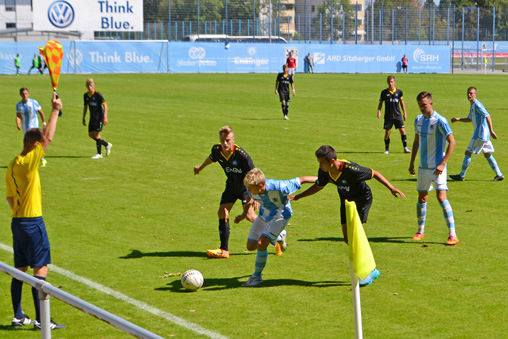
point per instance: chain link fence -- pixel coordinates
(326, 21)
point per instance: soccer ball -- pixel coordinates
(192, 280)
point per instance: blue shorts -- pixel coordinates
(30, 242)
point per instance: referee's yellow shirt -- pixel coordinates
(24, 184)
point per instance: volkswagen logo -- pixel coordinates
(75, 58)
(60, 14)
(197, 52)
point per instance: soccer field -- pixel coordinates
(133, 220)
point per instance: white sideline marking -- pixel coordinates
(139, 304)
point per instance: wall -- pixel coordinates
(183, 57)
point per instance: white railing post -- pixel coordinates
(45, 312)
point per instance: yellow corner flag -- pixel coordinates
(359, 249)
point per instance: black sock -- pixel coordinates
(35, 295)
(98, 145)
(404, 140)
(283, 109)
(387, 144)
(224, 233)
(16, 293)
(104, 142)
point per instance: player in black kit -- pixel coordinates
(98, 117)
(392, 97)
(236, 163)
(282, 89)
(349, 178)
(350, 181)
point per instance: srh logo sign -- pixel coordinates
(61, 14)
(419, 56)
(197, 53)
(319, 58)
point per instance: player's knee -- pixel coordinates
(251, 245)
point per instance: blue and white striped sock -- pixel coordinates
(421, 214)
(448, 215)
(465, 166)
(493, 165)
(261, 258)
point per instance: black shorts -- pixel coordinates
(389, 123)
(233, 193)
(95, 125)
(363, 208)
(30, 242)
(404, 66)
(284, 97)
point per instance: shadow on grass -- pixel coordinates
(225, 283)
(323, 239)
(136, 254)
(66, 156)
(395, 240)
(10, 328)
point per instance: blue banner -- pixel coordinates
(185, 57)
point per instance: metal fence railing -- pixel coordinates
(46, 290)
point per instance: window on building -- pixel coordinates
(312, 8)
(284, 19)
(10, 25)
(10, 6)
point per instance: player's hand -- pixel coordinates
(255, 205)
(412, 169)
(379, 115)
(439, 169)
(84, 122)
(276, 92)
(239, 218)
(292, 198)
(105, 121)
(396, 191)
(196, 170)
(56, 103)
(494, 135)
(294, 93)
(454, 119)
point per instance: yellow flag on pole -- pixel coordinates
(53, 56)
(359, 249)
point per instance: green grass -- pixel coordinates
(128, 220)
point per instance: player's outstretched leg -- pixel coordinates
(255, 279)
(493, 164)
(223, 250)
(421, 214)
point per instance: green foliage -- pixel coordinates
(130, 220)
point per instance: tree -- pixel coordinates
(337, 10)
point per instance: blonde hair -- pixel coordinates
(225, 130)
(254, 177)
(89, 81)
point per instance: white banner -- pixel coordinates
(96, 15)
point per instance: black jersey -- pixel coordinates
(235, 166)
(392, 102)
(350, 183)
(94, 103)
(283, 82)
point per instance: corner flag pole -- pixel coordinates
(357, 304)
(362, 260)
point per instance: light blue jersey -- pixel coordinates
(478, 116)
(274, 204)
(28, 112)
(433, 132)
